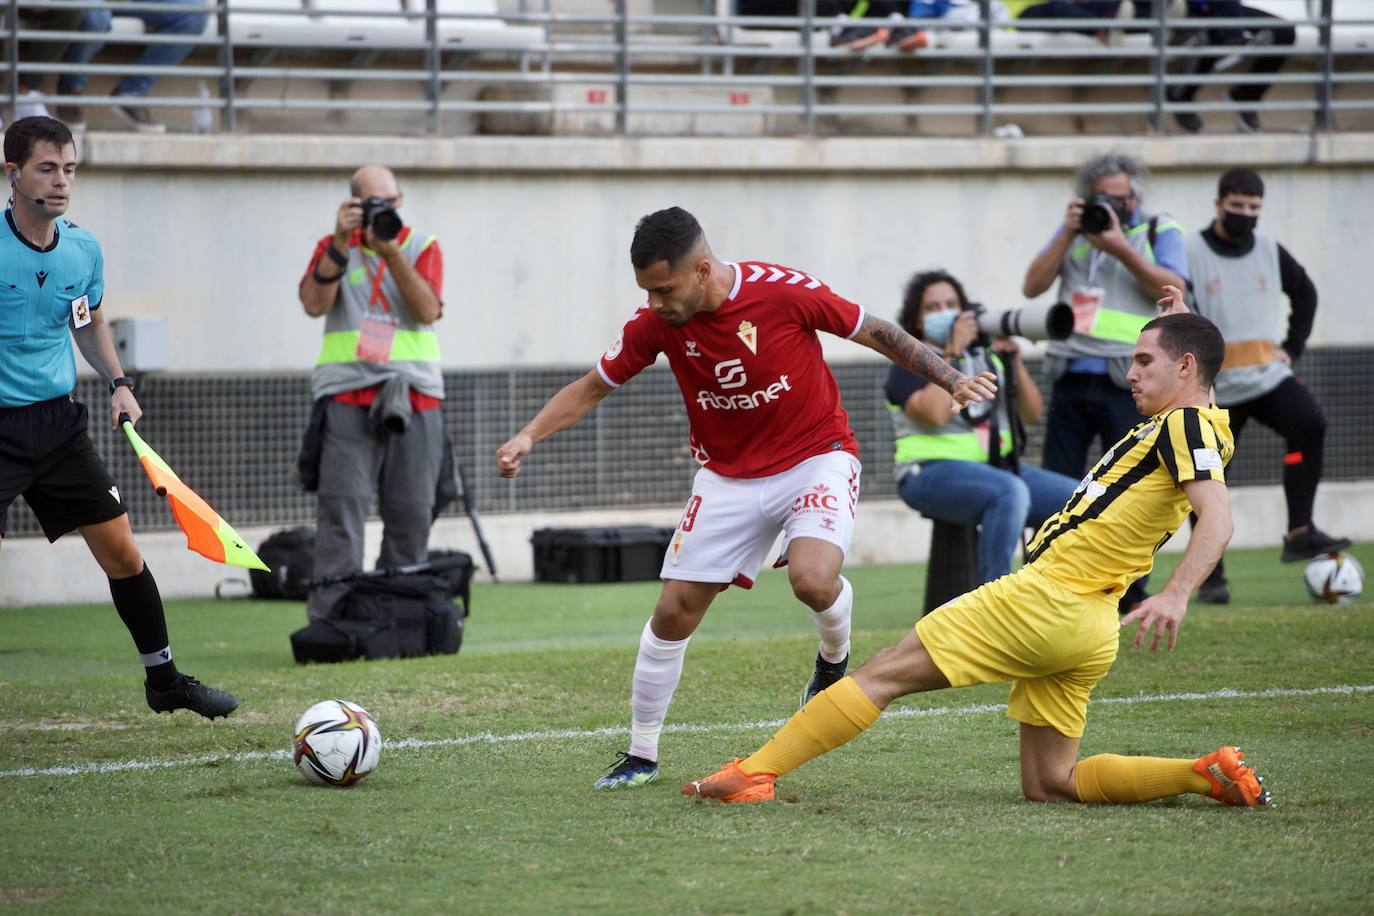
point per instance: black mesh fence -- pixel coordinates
(235, 440)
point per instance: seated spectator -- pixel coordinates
(136, 86)
(1074, 9)
(862, 24)
(52, 19)
(1279, 35)
(850, 33)
(963, 468)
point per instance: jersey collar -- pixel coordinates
(56, 235)
(739, 279)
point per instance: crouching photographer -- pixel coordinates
(376, 428)
(964, 468)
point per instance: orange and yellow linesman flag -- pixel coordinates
(206, 533)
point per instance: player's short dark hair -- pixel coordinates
(1240, 181)
(1191, 333)
(25, 133)
(910, 317)
(665, 235)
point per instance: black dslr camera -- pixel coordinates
(382, 217)
(1097, 214)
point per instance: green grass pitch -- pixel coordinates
(488, 808)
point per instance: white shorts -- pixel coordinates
(730, 523)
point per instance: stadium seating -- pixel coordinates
(501, 75)
(336, 23)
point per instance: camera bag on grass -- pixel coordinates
(291, 554)
(403, 612)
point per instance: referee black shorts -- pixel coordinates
(47, 457)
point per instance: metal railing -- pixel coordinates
(619, 68)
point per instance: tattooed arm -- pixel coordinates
(909, 353)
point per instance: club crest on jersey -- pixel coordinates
(750, 335)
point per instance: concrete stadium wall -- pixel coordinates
(214, 232)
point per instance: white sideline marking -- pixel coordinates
(84, 769)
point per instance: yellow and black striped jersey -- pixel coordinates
(1131, 502)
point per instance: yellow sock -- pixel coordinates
(833, 716)
(1113, 779)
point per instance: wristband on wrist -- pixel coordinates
(334, 255)
(323, 280)
(122, 382)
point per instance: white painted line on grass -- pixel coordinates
(122, 766)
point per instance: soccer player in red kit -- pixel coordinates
(774, 442)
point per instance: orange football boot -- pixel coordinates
(732, 784)
(1233, 783)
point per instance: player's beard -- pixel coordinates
(691, 306)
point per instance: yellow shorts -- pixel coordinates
(1054, 646)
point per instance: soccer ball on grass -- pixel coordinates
(336, 743)
(1334, 578)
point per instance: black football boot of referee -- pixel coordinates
(1310, 543)
(189, 693)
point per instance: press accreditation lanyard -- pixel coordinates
(1086, 302)
(377, 331)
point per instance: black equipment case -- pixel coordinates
(631, 553)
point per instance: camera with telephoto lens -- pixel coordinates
(1097, 214)
(382, 217)
(1035, 321)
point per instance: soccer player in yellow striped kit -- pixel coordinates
(1051, 628)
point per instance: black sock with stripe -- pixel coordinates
(140, 607)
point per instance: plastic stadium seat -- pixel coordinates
(268, 29)
(475, 32)
(378, 30)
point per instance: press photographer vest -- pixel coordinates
(1125, 307)
(415, 348)
(1243, 298)
(957, 439)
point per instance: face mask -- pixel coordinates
(1237, 225)
(936, 326)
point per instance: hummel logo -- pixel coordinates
(775, 274)
(42, 276)
(692, 349)
(114, 491)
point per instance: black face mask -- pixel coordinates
(1237, 225)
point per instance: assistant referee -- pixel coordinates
(51, 287)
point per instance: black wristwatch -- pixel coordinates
(122, 382)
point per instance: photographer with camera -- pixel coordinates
(1112, 262)
(377, 383)
(964, 468)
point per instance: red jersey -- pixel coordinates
(760, 398)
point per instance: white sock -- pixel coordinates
(833, 624)
(657, 671)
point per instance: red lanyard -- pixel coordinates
(377, 294)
